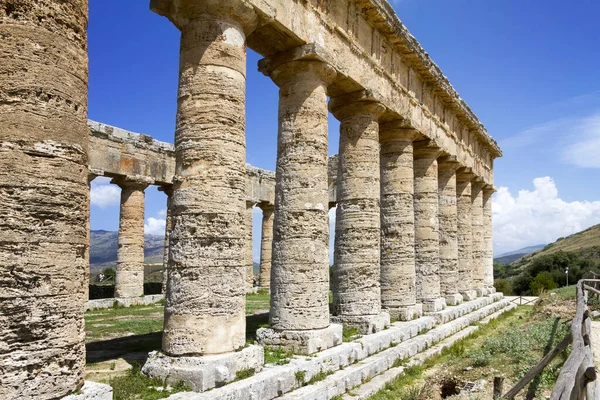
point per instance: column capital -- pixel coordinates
(426, 149)
(465, 174)
(477, 183)
(265, 206)
(489, 190)
(448, 163)
(133, 183)
(397, 130)
(180, 12)
(308, 59)
(361, 102)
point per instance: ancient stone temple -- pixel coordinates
(412, 183)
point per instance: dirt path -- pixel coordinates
(596, 342)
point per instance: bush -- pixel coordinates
(502, 285)
(542, 282)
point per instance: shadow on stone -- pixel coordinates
(104, 350)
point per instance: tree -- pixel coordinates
(502, 285)
(542, 282)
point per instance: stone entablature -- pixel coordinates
(372, 50)
(117, 153)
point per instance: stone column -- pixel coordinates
(43, 197)
(398, 274)
(464, 234)
(266, 244)
(299, 318)
(427, 240)
(488, 245)
(447, 167)
(168, 190)
(477, 229)
(205, 303)
(129, 278)
(356, 288)
(248, 261)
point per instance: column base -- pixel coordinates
(453, 299)
(482, 291)
(433, 305)
(92, 391)
(491, 290)
(365, 324)
(301, 341)
(468, 295)
(406, 313)
(202, 373)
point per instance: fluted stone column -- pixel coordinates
(448, 272)
(266, 244)
(356, 288)
(488, 246)
(44, 197)
(299, 318)
(465, 234)
(168, 190)
(205, 301)
(478, 244)
(398, 274)
(427, 240)
(129, 278)
(248, 261)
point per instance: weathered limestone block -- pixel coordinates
(168, 190)
(43, 197)
(478, 267)
(248, 262)
(266, 245)
(448, 272)
(129, 278)
(488, 246)
(465, 234)
(398, 275)
(427, 241)
(356, 273)
(300, 263)
(205, 301)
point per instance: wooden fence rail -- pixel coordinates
(577, 379)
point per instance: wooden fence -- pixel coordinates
(577, 379)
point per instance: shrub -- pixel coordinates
(542, 282)
(502, 285)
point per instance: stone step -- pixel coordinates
(368, 389)
(355, 375)
(275, 381)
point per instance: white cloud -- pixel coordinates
(103, 194)
(538, 216)
(156, 226)
(584, 150)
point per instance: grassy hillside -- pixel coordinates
(505, 260)
(586, 244)
(103, 250)
(545, 269)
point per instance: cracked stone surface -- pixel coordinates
(248, 262)
(398, 275)
(129, 277)
(448, 271)
(478, 267)
(205, 303)
(43, 197)
(168, 190)
(426, 204)
(356, 275)
(266, 246)
(488, 247)
(300, 264)
(464, 232)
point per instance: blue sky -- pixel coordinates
(529, 70)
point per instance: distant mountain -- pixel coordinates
(103, 250)
(524, 250)
(505, 260)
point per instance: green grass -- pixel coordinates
(509, 346)
(349, 334)
(257, 302)
(277, 356)
(136, 386)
